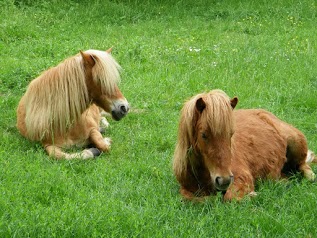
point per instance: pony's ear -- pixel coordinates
(234, 102)
(200, 105)
(109, 50)
(88, 59)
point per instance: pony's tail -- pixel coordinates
(311, 157)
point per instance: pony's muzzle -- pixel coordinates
(223, 182)
(120, 109)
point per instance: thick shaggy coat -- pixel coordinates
(221, 149)
(60, 107)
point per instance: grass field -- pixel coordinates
(264, 52)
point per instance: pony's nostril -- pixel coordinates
(223, 182)
(124, 109)
(120, 111)
(219, 181)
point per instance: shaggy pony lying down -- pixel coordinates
(61, 107)
(221, 149)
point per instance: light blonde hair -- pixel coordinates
(57, 98)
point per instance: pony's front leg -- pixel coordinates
(307, 172)
(241, 187)
(187, 195)
(57, 153)
(100, 142)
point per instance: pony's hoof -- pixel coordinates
(104, 123)
(253, 194)
(312, 177)
(94, 151)
(107, 141)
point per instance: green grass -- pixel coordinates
(264, 52)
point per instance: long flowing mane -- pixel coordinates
(56, 99)
(219, 118)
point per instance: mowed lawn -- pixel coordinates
(264, 52)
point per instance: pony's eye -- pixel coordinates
(204, 136)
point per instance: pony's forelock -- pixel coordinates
(218, 114)
(105, 72)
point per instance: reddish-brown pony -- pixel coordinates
(221, 149)
(61, 108)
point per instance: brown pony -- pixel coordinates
(221, 149)
(61, 107)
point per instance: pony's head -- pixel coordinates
(205, 131)
(102, 76)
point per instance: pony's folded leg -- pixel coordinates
(189, 196)
(240, 188)
(101, 143)
(57, 153)
(235, 195)
(311, 157)
(103, 120)
(308, 173)
(104, 123)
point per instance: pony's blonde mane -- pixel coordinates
(105, 72)
(57, 98)
(219, 118)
